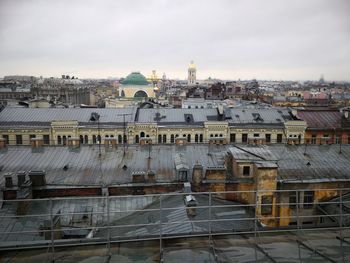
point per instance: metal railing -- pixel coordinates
(64, 222)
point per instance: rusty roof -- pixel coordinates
(321, 119)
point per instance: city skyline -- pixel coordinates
(227, 40)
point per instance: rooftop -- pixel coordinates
(312, 163)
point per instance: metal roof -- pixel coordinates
(174, 116)
(297, 164)
(19, 116)
(86, 168)
(258, 116)
(321, 119)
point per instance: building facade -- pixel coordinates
(161, 126)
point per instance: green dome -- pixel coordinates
(135, 78)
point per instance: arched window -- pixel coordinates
(120, 139)
(64, 140)
(59, 140)
(107, 136)
(196, 138)
(164, 138)
(172, 140)
(99, 139)
(81, 139)
(189, 137)
(94, 139)
(137, 139)
(125, 139)
(200, 137)
(159, 138)
(86, 139)
(142, 134)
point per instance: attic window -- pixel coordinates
(246, 170)
(279, 120)
(188, 118)
(158, 117)
(257, 117)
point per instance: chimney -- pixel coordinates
(8, 180)
(2, 143)
(21, 178)
(151, 176)
(138, 177)
(197, 176)
(36, 142)
(74, 142)
(37, 177)
(110, 142)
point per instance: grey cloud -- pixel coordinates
(227, 39)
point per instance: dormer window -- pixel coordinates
(246, 170)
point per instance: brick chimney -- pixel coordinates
(21, 177)
(37, 177)
(8, 180)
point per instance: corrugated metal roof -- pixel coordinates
(259, 116)
(175, 115)
(86, 168)
(321, 119)
(27, 115)
(319, 163)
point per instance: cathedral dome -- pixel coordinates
(135, 78)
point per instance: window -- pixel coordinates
(308, 199)
(142, 134)
(246, 170)
(200, 137)
(279, 138)
(137, 139)
(313, 139)
(244, 137)
(293, 200)
(164, 138)
(268, 137)
(120, 139)
(46, 138)
(94, 140)
(6, 137)
(59, 139)
(232, 137)
(126, 139)
(86, 139)
(19, 139)
(266, 205)
(337, 139)
(256, 134)
(196, 138)
(172, 138)
(189, 137)
(64, 140)
(159, 138)
(99, 139)
(31, 136)
(81, 138)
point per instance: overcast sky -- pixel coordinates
(265, 39)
